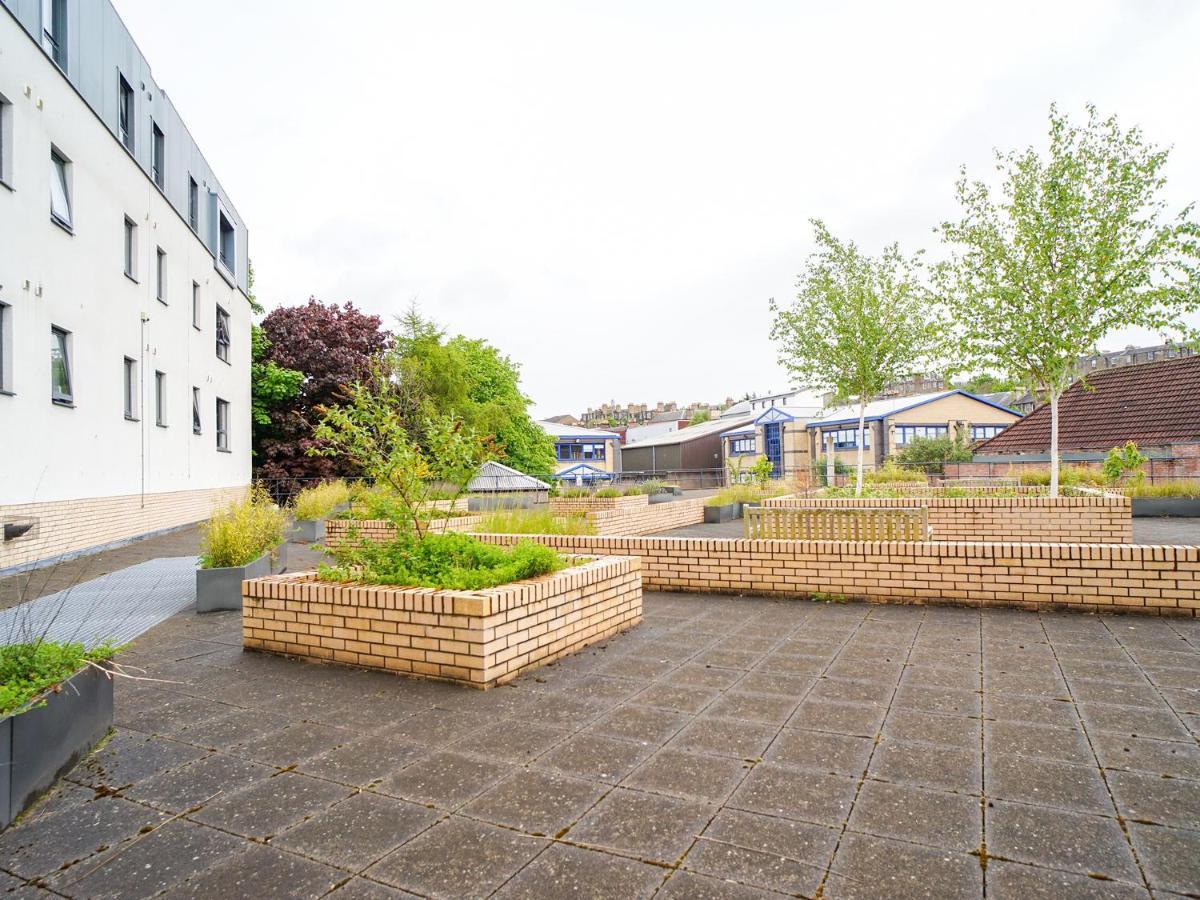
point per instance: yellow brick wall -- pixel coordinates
(1087, 577)
(1069, 520)
(382, 530)
(479, 638)
(70, 526)
(573, 505)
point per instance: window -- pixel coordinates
(60, 366)
(5, 348)
(222, 425)
(195, 410)
(195, 306)
(228, 243)
(743, 446)
(222, 334)
(60, 190)
(158, 158)
(984, 432)
(847, 438)
(572, 451)
(160, 399)
(5, 140)
(193, 204)
(130, 248)
(160, 275)
(125, 113)
(54, 30)
(905, 433)
(131, 389)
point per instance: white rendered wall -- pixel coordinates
(77, 282)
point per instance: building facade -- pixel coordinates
(778, 433)
(124, 316)
(584, 455)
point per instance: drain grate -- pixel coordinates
(116, 607)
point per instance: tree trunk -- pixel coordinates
(862, 414)
(1054, 445)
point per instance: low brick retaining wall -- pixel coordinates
(479, 638)
(1105, 519)
(565, 506)
(1088, 577)
(381, 530)
(648, 518)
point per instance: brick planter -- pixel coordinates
(565, 506)
(478, 638)
(338, 531)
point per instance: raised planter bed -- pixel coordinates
(312, 531)
(41, 744)
(1182, 507)
(568, 505)
(477, 638)
(341, 531)
(221, 589)
(725, 513)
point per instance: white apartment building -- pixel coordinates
(124, 320)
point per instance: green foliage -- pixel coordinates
(745, 493)
(444, 561)
(370, 430)
(1165, 489)
(987, 383)
(271, 385)
(761, 471)
(318, 501)
(649, 487)
(574, 492)
(928, 454)
(475, 382)
(1122, 461)
(606, 492)
(1068, 476)
(242, 532)
(701, 415)
(890, 472)
(1078, 245)
(530, 521)
(28, 671)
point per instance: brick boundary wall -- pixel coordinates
(1106, 519)
(565, 506)
(478, 638)
(1085, 577)
(67, 527)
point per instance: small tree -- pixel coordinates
(1122, 461)
(1079, 245)
(369, 430)
(857, 324)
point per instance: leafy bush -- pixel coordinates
(744, 493)
(890, 472)
(607, 492)
(1122, 461)
(444, 561)
(1068, 476)
(242, 532)
(319, 501)
(1183, 489)
(929, 454)
(529, 521)
(29, 670)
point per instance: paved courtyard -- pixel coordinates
(726, 747)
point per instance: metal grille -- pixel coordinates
(116, 607)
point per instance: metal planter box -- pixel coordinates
(308, 531)
(725, 513)
(221, 589)
(42, 744)
(1186, 507)
(664, 498)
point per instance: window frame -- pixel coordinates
(6, 351)
(6, 141)
(225, 227)
(197, 424)
(737, 445)
(222, 426)
(193, 204)
(158, 156)
(196, 304)
(993, 428)
(54, 14)
(61, 343)
(160, 275)
(223, 339)
(59, 175)
(846, 438)
(130, 249)
(126, 113)
(907, 432)
(130, 385)
(160, 398)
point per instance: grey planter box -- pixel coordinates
(663, 498)
(221, 589)
(40, 745)
(308, 531)
(279, 559)
(484, 503)
(726, 513)
(1183, 507)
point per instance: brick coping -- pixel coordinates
(1034, 502)
(306, 586)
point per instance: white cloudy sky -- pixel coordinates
(610, 191)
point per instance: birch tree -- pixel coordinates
(1078, 244)
(857, 323)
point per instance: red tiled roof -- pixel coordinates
(1154, 404)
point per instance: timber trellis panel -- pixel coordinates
(824, 524)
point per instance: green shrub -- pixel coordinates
(929, 454)
(575, 492)
(1122, 461)
(319, 501)
(890, 472)
(29, 670)
(1068, 476)
(242, 532)
(444, 561)
(1182, 488)
(744, 493)
(607, 492)
(529, 521)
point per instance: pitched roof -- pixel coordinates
(881, 409)
(1154, 404)
(558, 429)
(691, 433)
(495, 476)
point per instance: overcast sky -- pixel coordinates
(610, 191)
